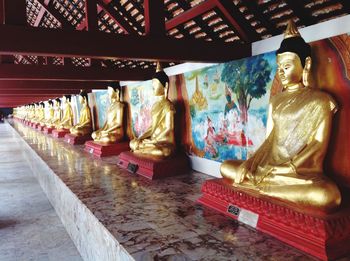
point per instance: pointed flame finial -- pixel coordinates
(159, 67)
(291, 30)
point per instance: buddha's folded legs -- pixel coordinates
(229, 169)
(322, 195)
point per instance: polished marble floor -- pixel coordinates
(30, 229)
(154, 220)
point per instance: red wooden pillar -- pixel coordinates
(91, 21)
(154, 18)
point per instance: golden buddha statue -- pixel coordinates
(56, 118)
(35, 112)
(84, 126)
(158, 140)
(51, 112)
(113, 129)
(289, 163)
(67, 118)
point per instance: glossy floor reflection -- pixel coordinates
(154, 220)
(29, 227)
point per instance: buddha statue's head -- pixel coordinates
(42, 105)
(160, 82)
(113, 92)
(66, 98)
(50, 103)
(83, 97)
(57, 102)
(293, 58)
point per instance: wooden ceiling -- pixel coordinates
(64, 44)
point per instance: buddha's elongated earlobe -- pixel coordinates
(307, 72)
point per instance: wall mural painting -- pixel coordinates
(141, 101)
(228, 106)
(100, 107)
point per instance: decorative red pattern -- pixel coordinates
(155, 168)
(324, 236)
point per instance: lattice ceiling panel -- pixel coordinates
(73, 11)
(256, 19)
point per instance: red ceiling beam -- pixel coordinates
(237, 20)
(67, 86)
(46, 42)
(117, 18)
(188, 15)
(154, 17)
(71, 73)
(19, 93)
(91, 15)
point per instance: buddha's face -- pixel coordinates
(64, 100)
(289, 68)
(113, 94)
(81, 99)
(158, 88)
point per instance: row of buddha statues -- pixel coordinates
(287, 166)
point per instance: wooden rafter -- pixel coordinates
(47, 4)
(205, 27)
(36, 85)
(91, 15)
(71, 73)
(21, 40)
(39, 16)
(259, 15)
(242, 27)
(117, 18)
(190, 14)
(299, 10)
(154, 18)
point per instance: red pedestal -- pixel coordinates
(76, 140)
(326, 237)
(60, 133)
(39, 127)
(48, 130)
(154, 168)
(105, 150)
(34, 125)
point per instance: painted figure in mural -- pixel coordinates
(84, 126)
(57, 114)
(230, 104)
(210, 142)
(113, 129)
(158, 140)
(289, 164)
(67, 118)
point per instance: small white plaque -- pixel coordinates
(68, 140)
(91, 150)
(248, 217)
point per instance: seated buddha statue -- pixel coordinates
(51, 112)
(67, 118)
(112, 131)
(158, 140)
(56, 118)
(289, 164)
(35, 112)
(84, 126)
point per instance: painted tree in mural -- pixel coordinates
(247, 78)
